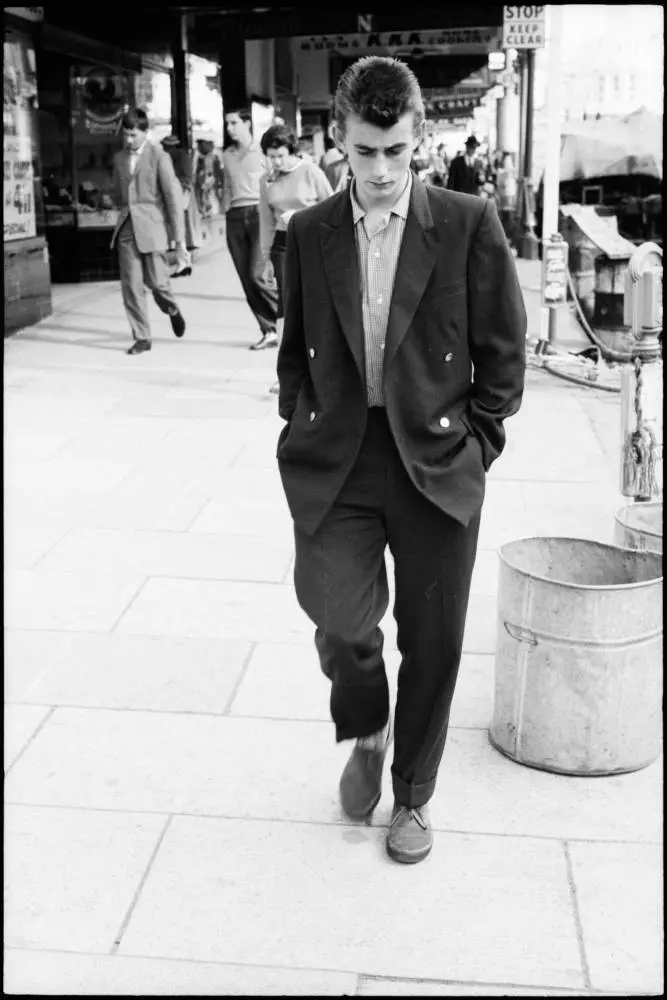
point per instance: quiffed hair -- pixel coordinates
(379, 90)
(277, 136)
(135, 118)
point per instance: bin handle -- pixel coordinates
(521, 634)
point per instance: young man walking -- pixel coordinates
(149, 198)
(402, 354)
(244, 164)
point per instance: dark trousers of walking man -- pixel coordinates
(260, 291)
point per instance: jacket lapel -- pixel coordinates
(339, 251)
(419, 250)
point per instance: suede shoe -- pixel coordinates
(361, 781)
(410, 836)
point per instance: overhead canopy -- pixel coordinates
(612, 147)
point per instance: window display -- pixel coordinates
(20, 137)
(100, 98)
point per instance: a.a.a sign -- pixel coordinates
(523, 27)
(444, 41)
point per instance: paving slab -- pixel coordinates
(253, 612)
(334, 901)
(83, 602)
(45, 972)
(133, 761)
(147, 507)
(285, 682)
(169, 553)
(26, 540)
(383, 987)
(71, 875)
(481, 789)
(21, 724)
(123, 671)
(620, 901)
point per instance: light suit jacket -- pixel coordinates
(152, 198)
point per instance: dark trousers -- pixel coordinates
(341, 584)
(278, 263)
(243, 243)
(139, 271)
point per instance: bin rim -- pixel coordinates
(503, 557)
(649, 505)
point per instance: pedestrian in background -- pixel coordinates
(403, 353)
(183, 168)
(292, 184)
(148, 195)
(465, 171)
(439, 166)
(244, 164)
(506, 191)
(208, 179)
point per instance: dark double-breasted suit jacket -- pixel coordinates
(454, 357)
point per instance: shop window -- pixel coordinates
(101, 96)
(22, 202)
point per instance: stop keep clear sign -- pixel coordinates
(523, 27)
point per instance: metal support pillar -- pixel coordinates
(180, 114)
(233, 70)
(529, 247)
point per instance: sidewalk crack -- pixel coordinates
(135, 899)
(585, 968)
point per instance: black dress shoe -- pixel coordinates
(177, 323)
(184, 273)
(139, 346)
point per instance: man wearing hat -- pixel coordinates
(464, 173)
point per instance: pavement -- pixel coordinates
(171, 816)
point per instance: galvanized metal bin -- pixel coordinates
(578, 673)
(639, 526)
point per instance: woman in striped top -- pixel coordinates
(292, 184)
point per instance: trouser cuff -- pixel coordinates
(411, 796)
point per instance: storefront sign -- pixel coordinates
(102, 99)
(27, 13)
(523, 27)
(445, 41)
(450, 107)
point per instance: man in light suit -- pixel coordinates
(403, 352)
(149, 197)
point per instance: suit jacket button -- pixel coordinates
(312, 417)
(444, 421)
(312, 352)
(448, 357)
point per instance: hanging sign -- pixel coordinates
(102, 99)
(459, 41)
(27, 13)
(524, 27)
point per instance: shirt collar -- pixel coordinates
(400, 207)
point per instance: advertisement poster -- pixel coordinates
(19, 111)
(102, 98)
